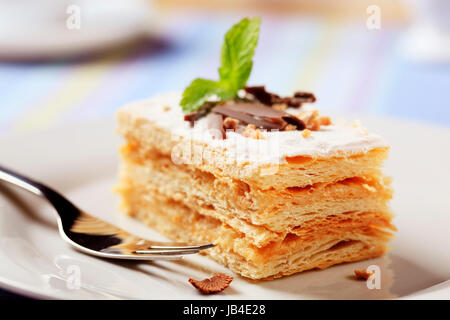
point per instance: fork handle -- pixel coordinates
(59, 202)
(21, 181)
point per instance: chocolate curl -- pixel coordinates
(268, 98)
(305, 96)
(259, 115)
(263, 96)
(194, 116)
(214, 123)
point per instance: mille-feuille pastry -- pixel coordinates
(276, 186)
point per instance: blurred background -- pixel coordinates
(67, 61)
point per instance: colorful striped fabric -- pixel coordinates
(350, 69)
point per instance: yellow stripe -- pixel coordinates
(314, 62)
(81, 82)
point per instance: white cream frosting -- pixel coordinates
(340, 138)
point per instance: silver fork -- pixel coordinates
(97, 237)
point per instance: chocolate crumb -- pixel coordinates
(362, 274)
(215, 284)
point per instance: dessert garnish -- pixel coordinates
(236, 64)
(215, 284)
(270, 99)
(259, 115)
(229, 104)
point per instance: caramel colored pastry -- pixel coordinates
(309, 201)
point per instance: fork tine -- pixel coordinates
(166, 252)
(97, 237)
(181, 247)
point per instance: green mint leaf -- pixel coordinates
(236, 64)
(196, 94)
(237, 53)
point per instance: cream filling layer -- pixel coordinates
(338, 139)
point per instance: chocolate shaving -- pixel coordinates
(259, 115)
(241, 113)
(305, 96)
(259, 108)
(215, 125)
(289, 118)
(194, 116)
(263, 96)
(217, 283)
(268, 98)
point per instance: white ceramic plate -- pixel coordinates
(81, 161)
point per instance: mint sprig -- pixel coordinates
(238, 50)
